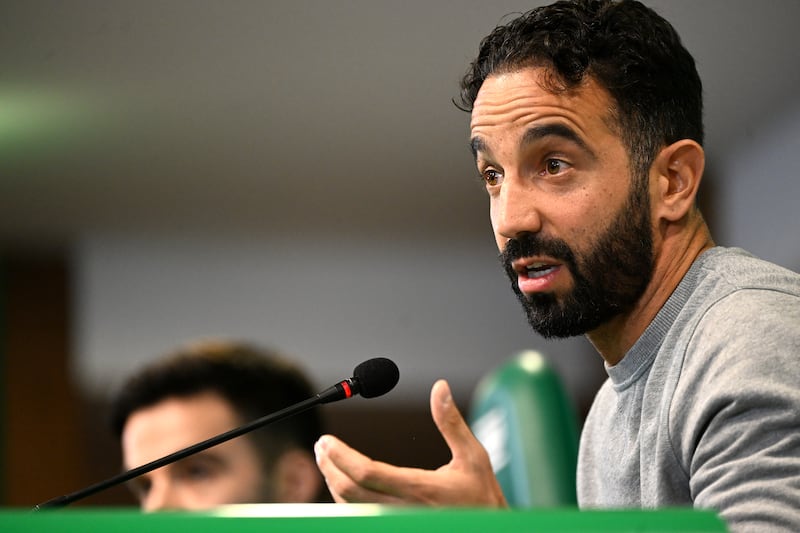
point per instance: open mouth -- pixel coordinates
(538, 270)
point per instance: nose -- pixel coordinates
(161, 496)
(514, 211)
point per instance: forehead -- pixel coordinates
(175, 423)
(518, 99)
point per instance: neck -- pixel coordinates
(675, 252)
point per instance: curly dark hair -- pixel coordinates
(624, 46)
(255, 381)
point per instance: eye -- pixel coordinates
(554, 167)
(197, 471)
(491, 177)
(139, 487)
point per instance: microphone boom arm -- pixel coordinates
(343, 389)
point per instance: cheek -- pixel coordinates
(499, 239)
(576, 220)
(495, 219)
(594, 210)
(247, 487)
(246, 472)
(581, 224)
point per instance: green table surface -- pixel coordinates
(332, 518)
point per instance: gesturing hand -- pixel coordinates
(467, 479)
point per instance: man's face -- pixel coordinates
(573, 226)
(230, 472)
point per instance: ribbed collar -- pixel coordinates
(643, 352)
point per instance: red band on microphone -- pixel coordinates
(347, 391)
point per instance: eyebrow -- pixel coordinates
(206, 456)
(536, 133)
(476, 144)
(556, 130)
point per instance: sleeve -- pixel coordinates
(737, 430)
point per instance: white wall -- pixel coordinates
(437, 309)
(759, 189)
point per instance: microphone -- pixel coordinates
(372, 378)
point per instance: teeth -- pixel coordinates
(537, 270)
(540, 273)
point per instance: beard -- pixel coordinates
(608, 280)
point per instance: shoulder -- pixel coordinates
(727, 270)
(746, 332)
(743, 306)
(736, 406)
(748, 309)
(739, 361)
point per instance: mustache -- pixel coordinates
(529, 245)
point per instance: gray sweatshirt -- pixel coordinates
(704, 409)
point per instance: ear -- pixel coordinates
(296, 477)
(678, 170)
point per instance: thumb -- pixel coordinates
(451, 424)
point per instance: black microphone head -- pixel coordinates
(376, 377)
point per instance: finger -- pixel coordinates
(353, 476)
(345, 490)
(462, 443)
(327, 465)
(341, 486)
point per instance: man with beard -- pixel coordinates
(587, 131)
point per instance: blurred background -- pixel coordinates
(294, 173)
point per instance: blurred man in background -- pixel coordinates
(204, 390)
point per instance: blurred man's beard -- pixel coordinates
(607, 281)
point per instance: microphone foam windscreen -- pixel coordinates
(376, 376)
